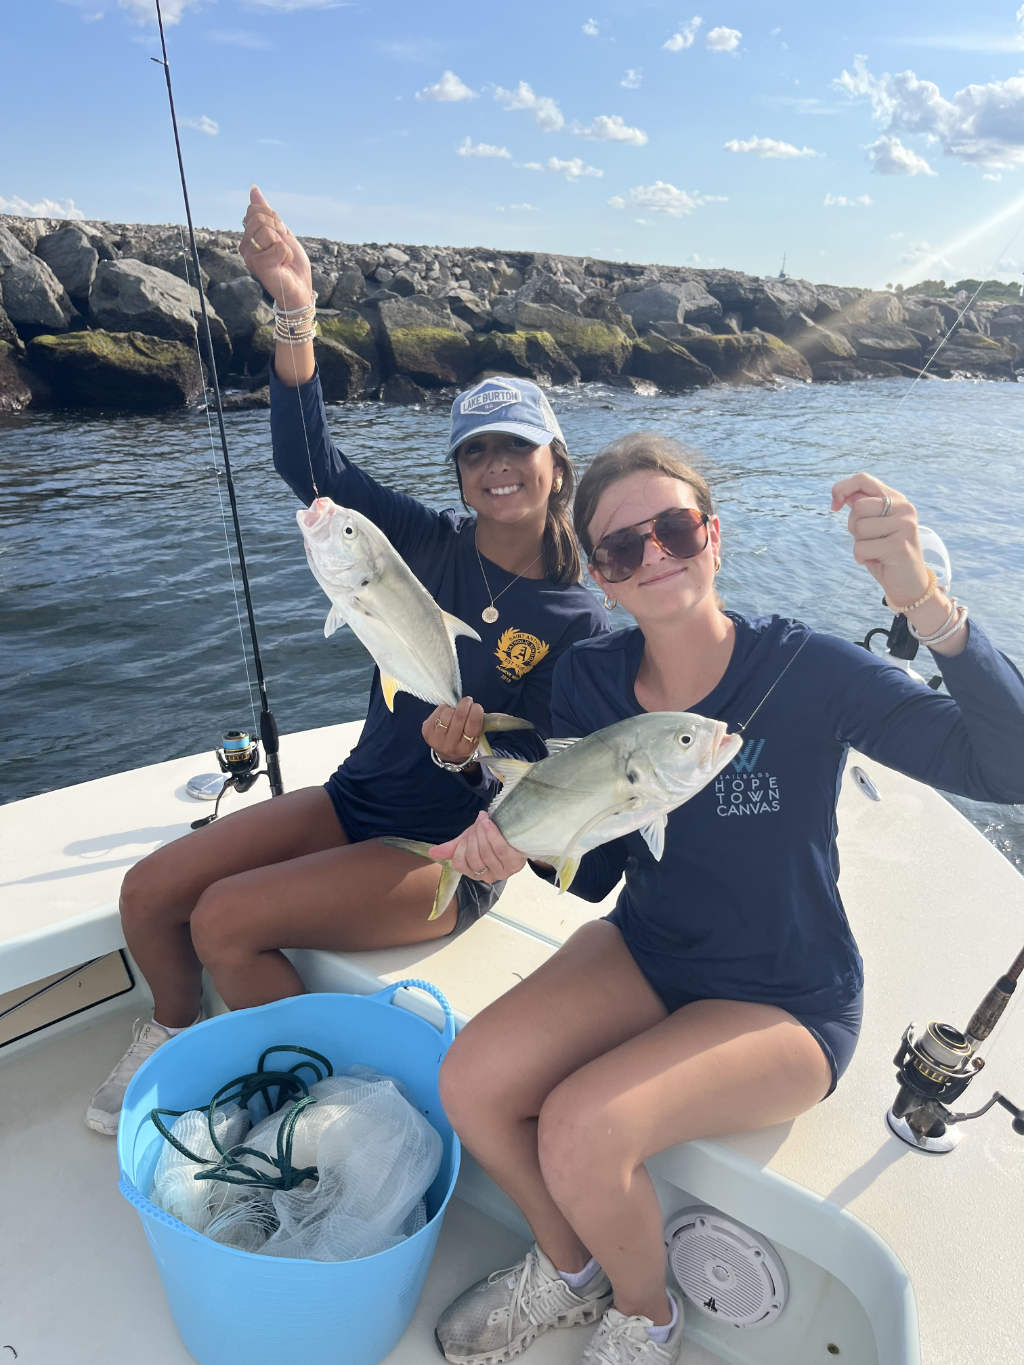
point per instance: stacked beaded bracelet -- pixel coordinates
(955, 621)
(295, 326)
(455, 767)
(928, 593)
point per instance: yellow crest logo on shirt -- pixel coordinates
(517, 652)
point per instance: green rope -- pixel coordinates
(287, 1085)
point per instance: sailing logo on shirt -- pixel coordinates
(744, 788)
(517, 652)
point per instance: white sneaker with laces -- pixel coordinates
(621, 1340)
(104, 1110)
(497, 1318)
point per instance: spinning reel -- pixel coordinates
(239, 758)
(936, 1065)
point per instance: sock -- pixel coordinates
(663, 1333)
(577, 1279)
(181, 1029)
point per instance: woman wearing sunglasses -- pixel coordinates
(723, 992)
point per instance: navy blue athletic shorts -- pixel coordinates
(472, 898)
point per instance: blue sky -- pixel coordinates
(869, 143)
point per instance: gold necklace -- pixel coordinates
(490, 614)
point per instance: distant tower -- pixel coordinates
(782, 268)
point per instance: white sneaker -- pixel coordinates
(497, 1318)
(104, 1110)
(624, 1341)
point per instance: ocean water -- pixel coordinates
(120, 633)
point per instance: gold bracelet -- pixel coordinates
(933, 584)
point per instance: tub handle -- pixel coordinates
(388, 994)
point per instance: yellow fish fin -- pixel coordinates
(389, 686)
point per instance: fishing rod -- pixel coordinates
(239, 757)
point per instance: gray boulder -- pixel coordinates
(848, 371)
(533, 354)
(351, 287)
(73, 259)
(817, 344)
(222, 266)
(343, 374)
(749, 357)
(8, 331)
(31, 295)
(779, 304)
(665, 302)
(974, 354)
(1008, 325)
(882, 341)
(15, 394)
(240, 305)
(549, 290)
(419, 338)
(129, 296)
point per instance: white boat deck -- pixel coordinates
(938, 914)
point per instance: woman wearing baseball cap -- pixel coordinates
(306, 870)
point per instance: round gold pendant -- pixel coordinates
(490, 615)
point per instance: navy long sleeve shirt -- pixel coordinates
(388, 784)
(744, 903)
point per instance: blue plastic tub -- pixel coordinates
(232, 1306)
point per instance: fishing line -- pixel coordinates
(220, 501)
(268, 725)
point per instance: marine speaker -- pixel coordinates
(725, 1269)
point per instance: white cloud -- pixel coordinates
(469, 148)
(888, 156)
(724, 39)
(992, 175)
(841, 201)
(632, 79)
(981, 124)
(612, 128)
(545, 111)
(143, 12)
(529, 165)
(447, 90)
(661, 197)
(572, 169)
(202, 124)
(591, 29)
(769, 147)
(42, 208)
(515, 208)
(684, 38)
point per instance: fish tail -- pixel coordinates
(497, 720)
(450, 879)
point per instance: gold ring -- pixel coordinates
(470, 739)
(440, 725)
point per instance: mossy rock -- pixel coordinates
(430, 356)
(535, 355)
(667, 364)
(598, 349)
(818, 344)
(127, 370)
(972, 353)
(351, 329)
(748, 357)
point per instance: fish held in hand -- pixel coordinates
(373, 591)
(628, 776)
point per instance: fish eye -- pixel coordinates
(685, 738)
(349, 529)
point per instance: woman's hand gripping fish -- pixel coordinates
(628, 776)
(374, 591)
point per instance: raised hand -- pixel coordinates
(883, 524)
(275, 255)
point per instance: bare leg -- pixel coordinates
(713, 1067)
(160, 892)
(585, 1045)
(365, 895)
(587, 998)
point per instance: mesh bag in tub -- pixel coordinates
(231, 1305)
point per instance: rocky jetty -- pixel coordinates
(99, 314)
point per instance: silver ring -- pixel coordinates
(886, 504)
